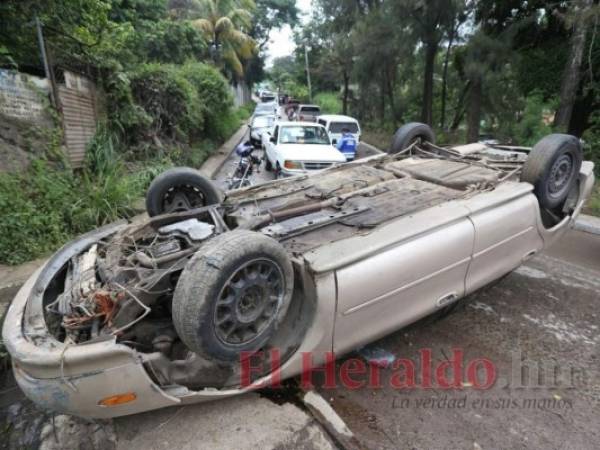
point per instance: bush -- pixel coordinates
(169, 99)
(329, 102)
(45, 207)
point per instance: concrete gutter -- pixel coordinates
(213, 164)
(588, 224)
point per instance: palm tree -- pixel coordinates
(223, 24)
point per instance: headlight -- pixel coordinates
(292, 164)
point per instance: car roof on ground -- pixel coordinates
(337, 117)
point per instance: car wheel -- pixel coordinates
(410, 133)
(233, 294)
(180, 189)
(277, 171)
(268, 165)
(553, 167)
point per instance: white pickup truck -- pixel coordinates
(294, 148)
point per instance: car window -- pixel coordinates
(337, 127)
(304, 135)
(263, 122)
(310, 109)
(322, 122)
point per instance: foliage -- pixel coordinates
(329, 102)
(223, 24)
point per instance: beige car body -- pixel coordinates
(360, 286)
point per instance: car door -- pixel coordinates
(272, 146)
(404, 281)
(506, 234)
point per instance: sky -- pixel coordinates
(281, 41)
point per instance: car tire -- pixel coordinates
(180, 189)
(553, 168)
(268, 165)
(409, 133)
(277, 171)
(232, 295)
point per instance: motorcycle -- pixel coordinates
(245, 166)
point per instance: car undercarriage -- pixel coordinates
(123, 285)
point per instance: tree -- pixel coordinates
(572, 72)
(225, 25)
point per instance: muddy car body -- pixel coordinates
(113, 323)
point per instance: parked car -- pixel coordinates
(258, 126)
(298, 147)
(306, 113)
(166, 311)
(335, 124)
(268, 97)
(265, 109)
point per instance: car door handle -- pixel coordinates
(446, 299)
(529, 255)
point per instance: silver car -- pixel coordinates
(175, 309)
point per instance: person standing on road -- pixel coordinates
(347, 143)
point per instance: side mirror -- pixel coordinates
(249, 125)
(272, 139)
(334, 141)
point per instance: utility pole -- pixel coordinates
(307, 73)
(42, 45)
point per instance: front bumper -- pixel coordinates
(74, 378)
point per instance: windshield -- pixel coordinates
(310, 109)
(337, 127)
(304, 135)
(263, 122)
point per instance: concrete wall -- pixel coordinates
(22, 96)
(241, 94)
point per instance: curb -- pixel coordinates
(215, 162)
(587, 224)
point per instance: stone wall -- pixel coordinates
(22, 96)
(25, 121)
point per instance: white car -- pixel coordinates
(259, 126)
(294, 148)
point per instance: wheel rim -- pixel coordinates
(560, 175)
(183, 198)
(249, 301)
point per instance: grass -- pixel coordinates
(593, 205)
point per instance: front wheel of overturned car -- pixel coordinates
(409, 134)
(232, 295)
(553, 167)
(180, 189)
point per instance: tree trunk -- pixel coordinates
(430, 52)
(572, 71)
(345, 98)
(474, 111)
(459, 111)
(382, 102)
(445, 78)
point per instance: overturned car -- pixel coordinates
(160, 311)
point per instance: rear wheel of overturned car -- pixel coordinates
(268, 165)
(232, 295)
(553, 168)
(180, 189)
(409, 134)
